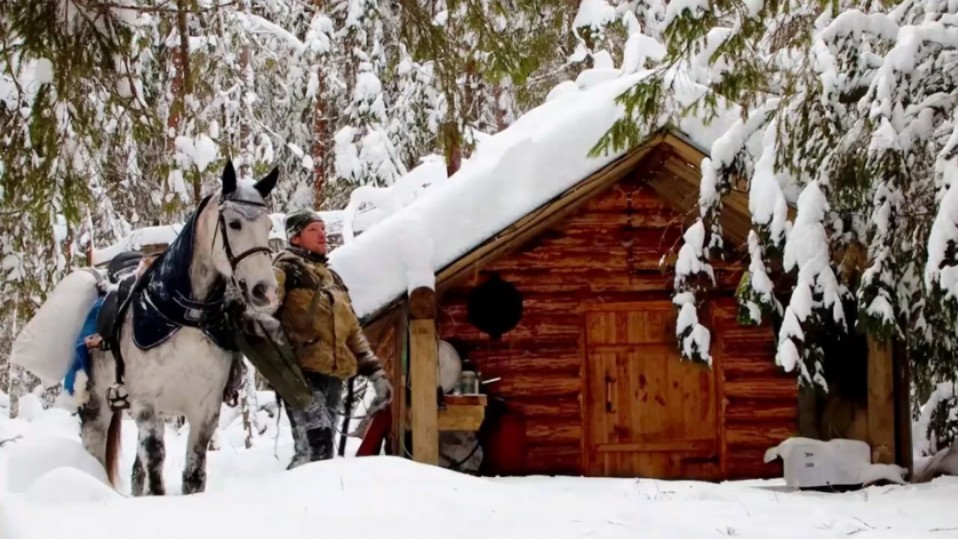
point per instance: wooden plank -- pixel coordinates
(774, 389)
(525, 385)
(612, 222)
(545, 407)
(762, 411)
(498, 366)
(620, 257)
(627, 306)
(902, 383)
(704, 446)
(758, 366)
(553, 431)
(750, 346)
(460, 417)
(466, 400)
(684, 149)
(655, 238)
(423, 367)
(397, 440)
(629, 193)
(757, 435)
(881, 401)
(719, 366)
(748, 463)
(554, 458)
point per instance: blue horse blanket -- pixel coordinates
(81, 358)
(166, 302)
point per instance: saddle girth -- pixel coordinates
(110, 327)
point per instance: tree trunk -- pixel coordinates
(17, 387)
(247, 147)
(321, 139)
(321, 135)
(249, 405)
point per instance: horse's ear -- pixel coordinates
(266, 185)
(229, 178)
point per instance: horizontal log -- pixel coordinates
(492, 367)
(533, 305)
(690, 446)
(727, 320)
(554, 458)
(782, 412)
(506, 349)
(659, 239)
(548, 431)
(757, 435)
(775, 389)
(754, 347)
(495, 366)
(610, 221)
(525, 385)
(457, 417)
(511, 348)
(628, 193)
(748, 463)
(562, 327)
(636, 258)
(754, 471)
(571, 280)
(534, 408)
(755, 367)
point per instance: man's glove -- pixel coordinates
(384, 391)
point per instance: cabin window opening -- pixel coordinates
(495, 306)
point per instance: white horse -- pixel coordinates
(175, 347)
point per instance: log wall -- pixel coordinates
(608, 251)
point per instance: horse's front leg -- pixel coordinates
(150, 454)
(201, 432)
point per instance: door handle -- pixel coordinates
(609, 406)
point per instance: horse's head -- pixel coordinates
(241, 250)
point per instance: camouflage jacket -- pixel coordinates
(318, 318)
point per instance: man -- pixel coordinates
(324, 333)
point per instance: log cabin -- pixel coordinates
(590, 378)
(569, 308)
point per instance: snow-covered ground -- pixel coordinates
(49, 487)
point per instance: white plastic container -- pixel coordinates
(810, 463)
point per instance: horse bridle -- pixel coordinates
(231, 257)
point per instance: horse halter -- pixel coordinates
(231, 257)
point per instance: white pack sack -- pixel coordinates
(45, 346)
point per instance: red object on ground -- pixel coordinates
(376, 433)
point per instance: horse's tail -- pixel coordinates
(113, 447)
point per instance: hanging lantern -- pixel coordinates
(495, 306)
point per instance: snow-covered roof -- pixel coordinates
(136, 240)
(510, 174)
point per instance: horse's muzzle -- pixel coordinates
(263, 295)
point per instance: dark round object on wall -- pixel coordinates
(495, 306)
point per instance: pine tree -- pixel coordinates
(847, 114)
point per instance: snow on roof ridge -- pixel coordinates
(543, 153)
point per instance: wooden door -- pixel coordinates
(647, 412)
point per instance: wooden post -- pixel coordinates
(423, 367)
(399, 370)
(881, 401)
(904, 444)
